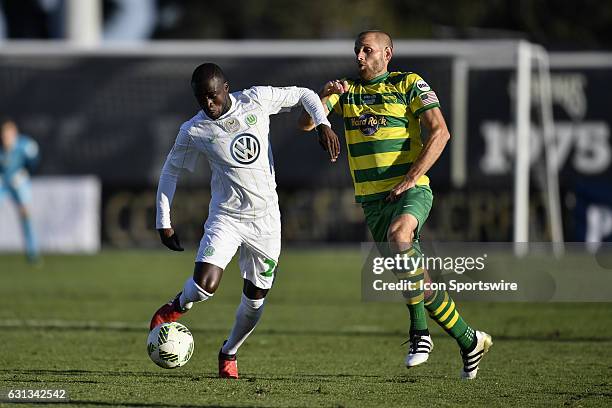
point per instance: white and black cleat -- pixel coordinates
(418, 352)
(471, 359)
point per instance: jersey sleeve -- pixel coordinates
(275, 99)
(333, 104)
(184, 153)
(420, 95)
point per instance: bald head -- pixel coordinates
(373, 51)
(381, 37)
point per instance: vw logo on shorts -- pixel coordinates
(245, 148)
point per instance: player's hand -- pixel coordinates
(406, 184)
(334, 87)
(329, 141)
(170, 239)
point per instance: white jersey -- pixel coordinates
(237, 146)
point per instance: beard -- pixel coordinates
(371, 70)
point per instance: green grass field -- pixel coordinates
(80, 323)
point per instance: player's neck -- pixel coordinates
(6, 146)
(375, 76)
(227, 106)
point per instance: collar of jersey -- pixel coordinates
(376, 80)
(226, 114)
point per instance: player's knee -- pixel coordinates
(401, 235)
(209, 284)
(207, 276)
(23, 211)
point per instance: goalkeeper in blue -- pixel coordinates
(18, 158)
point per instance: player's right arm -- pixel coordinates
(330, 88)
(183, 155)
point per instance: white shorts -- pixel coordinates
(259, 242)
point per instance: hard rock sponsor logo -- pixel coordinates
(368, 123)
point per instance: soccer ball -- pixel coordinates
(170, 345)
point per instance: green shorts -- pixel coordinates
(379, 214)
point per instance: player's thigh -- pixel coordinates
(4, 192)
(260, 252)
(22, 195)
(377, 218)
(402, 229)
(411, 211)
(220, 241)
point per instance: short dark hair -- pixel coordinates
(205, 72)
(388, 39)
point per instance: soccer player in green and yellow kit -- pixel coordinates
(383, 113)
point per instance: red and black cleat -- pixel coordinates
(228, 365)
(170, 312)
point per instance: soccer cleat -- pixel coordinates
(418, 352)
(471, 359)
(170, 312)
(228, 364)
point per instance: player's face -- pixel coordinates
(213, 97)
(372, 56)
(8, 134)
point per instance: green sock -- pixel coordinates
(416, 308)
(442, 309)
(414, 298)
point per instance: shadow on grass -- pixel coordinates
(304, 377)
(554, 336)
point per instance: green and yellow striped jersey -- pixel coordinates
(382, 129)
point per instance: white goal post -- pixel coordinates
(527, 54)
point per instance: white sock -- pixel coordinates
(247, 316)
(192, 292)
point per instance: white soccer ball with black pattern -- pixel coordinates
(170, 345)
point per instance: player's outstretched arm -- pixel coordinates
(305, 121)
(434, 122)
(165, 192)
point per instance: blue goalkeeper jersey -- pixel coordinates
(18, 161)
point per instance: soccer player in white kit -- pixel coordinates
(232, 131)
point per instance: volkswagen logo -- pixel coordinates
(245, 148)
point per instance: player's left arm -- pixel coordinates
(278, 99)
(439, 135)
